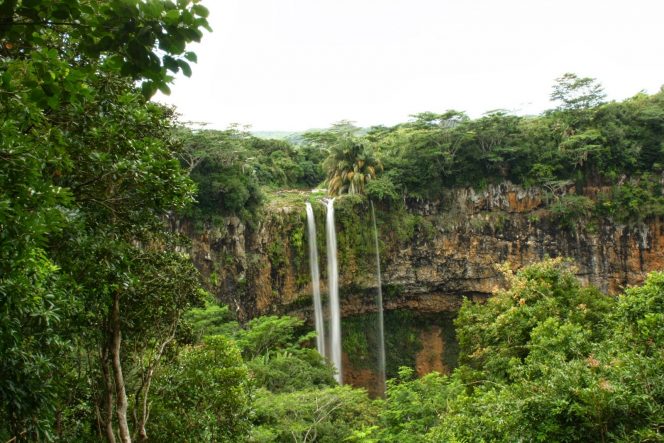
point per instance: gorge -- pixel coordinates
(161, 280)
(434, 253)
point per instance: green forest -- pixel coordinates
(107, 331)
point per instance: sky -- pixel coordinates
(293, 65)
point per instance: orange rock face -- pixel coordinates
(430, 358)
(264, 269)
(366, 378)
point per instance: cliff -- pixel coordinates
(433, 254)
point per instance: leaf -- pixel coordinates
(172, 17)
(171, 64)
(186, 69)
(53, 102)
(61, 12)
(148, 89)
(6, 81)
(163, 87)
(200, 10)
(153, 8)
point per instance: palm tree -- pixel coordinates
(349, 166)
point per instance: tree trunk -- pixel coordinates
(120, 390)
(142, 433)
(147, 381)
(108, 397)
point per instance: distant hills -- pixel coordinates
(294, 137)
(278, 135)
(289, 136)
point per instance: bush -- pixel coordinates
(634, 201)
(382, 189)
(202, 396)
(322, 415)
(571, 208)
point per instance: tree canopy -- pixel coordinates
(87, 174)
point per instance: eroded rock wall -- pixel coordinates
(433, 254)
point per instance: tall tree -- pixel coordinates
(576, 93)
(85, 176)
(350, 165)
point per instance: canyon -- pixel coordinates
(434, 254)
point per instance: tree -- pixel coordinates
(277, 358)
(422, 156)
(326, 415)
(494, 338)
(413, 406)
(203, 395)
(141, 40)
(86, 176)
(349, 166)
(294, 396)
(576, 93)
(576, 365)
(494, 141)
(228, 147)
(118, 255)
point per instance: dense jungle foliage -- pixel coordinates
(544, 360)
(594, 159)
(106, 333)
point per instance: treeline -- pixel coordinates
(594, 158)
(232, 167)
(586, 142)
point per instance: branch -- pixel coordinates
(147, 379)
(323, 415)
(43, 22)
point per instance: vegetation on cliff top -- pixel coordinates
(584, 143)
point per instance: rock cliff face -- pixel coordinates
(433, 254)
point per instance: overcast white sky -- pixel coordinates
(298, 64)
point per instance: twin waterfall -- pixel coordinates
(315, 280)
(333, 351)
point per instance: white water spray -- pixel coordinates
(315, 280)
(379, 303)
(333, 288)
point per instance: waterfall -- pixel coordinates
(315, 280)
(333, 289)
(379, 304)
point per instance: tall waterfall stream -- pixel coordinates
(333, 290)
(379, 306)
(315, 280)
